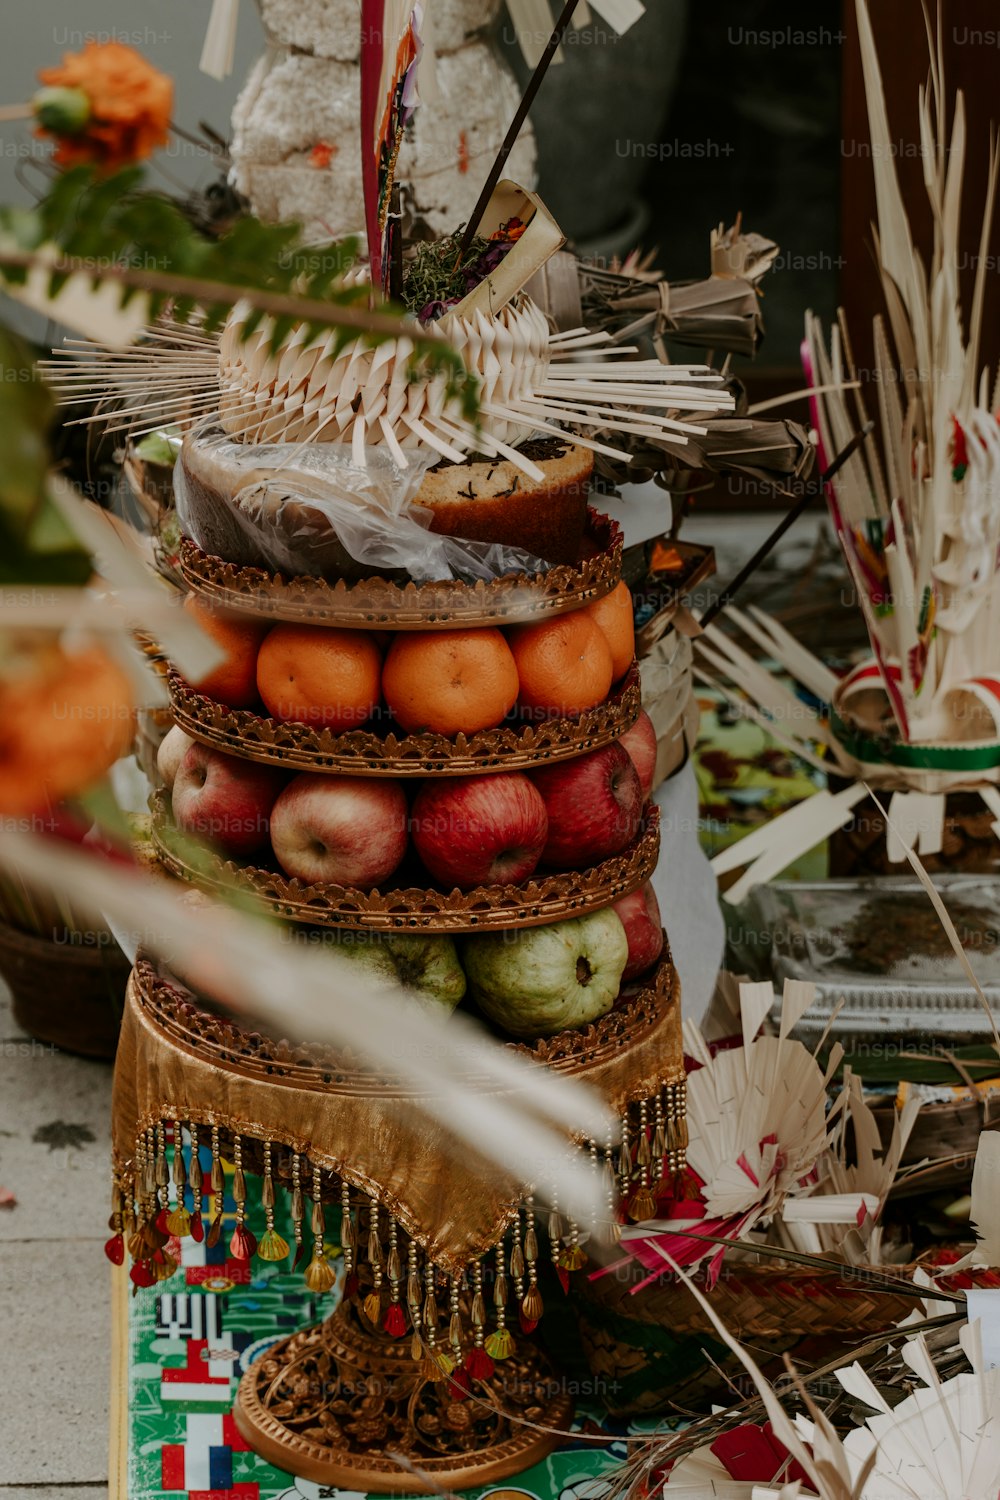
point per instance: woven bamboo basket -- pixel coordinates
(950, 1128)
(657, 1348)
(969, 844)
(69, 994)
(945, 1136)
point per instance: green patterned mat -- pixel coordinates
(181, 1347)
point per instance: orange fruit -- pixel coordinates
(234, 681)
(62, 724)
(565, 665)
(613, 617)
(312, 674)
(450, 681)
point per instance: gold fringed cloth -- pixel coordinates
(181, 1066)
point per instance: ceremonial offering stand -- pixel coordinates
(439, 1257)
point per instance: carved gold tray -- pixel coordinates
(380, 604)
(545, 898)
(363, 752)
(636, 1021)
(368, 1399)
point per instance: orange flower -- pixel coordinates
(130, 103)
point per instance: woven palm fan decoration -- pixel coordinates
(360, 397)
(941, 1442)
(917, 514)
(764, 1150)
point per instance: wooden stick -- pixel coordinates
(521, 114)
(15, 112)
(790, 516)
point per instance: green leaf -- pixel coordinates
(25, 226)
(26, 411)
(892, 1066)
(159, 447)
(49, 532)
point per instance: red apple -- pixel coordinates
(640, 917)
(594, 806)
(640, 742)
(225, 800)
(480, 830)
(340, 830)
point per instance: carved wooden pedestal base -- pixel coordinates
(331, 1403)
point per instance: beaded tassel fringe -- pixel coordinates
(185, 1175)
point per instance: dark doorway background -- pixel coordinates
(775, 90)
(759, 95)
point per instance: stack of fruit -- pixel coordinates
(572, 820)
(451, 791)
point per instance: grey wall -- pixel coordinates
(35, 34)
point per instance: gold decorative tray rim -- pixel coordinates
(535, 903)
(190, 1024)
(363, 752)
(381, 604)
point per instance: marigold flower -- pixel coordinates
(129, 106)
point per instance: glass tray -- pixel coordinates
(879, 946)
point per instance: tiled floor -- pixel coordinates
(54, 1305)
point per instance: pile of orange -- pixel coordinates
(446, 681)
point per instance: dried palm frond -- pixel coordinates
(533, 21)
(719, 312)
(918, 513)
(775, 455)
(869, 1174)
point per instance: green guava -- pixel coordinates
(428, 966)
(538, 980)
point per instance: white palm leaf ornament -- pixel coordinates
(531, 381)
(941, 1443)
(757, 1128)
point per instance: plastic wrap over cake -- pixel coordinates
(306, 508)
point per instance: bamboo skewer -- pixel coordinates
(788, 519)
(514, 130)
